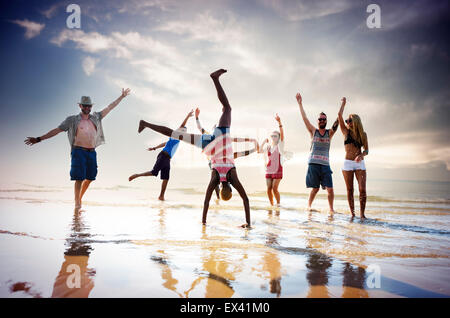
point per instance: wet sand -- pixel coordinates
(126, 244)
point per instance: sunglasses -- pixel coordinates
(322, 119)
(274, 136)
(89, 106)
(347, 121)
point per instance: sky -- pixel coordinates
(395, 77)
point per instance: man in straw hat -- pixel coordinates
(85, 133)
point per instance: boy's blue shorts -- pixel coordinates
(319, 175)
(83, 164)
(162, 164)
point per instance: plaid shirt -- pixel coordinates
(70, 124)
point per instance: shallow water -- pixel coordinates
(126, 244)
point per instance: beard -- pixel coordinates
(322, 126)
(86, 111)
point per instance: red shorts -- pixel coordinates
(278, 175)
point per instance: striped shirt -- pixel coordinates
(320, 148)
(220, 150)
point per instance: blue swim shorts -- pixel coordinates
(83, 164)
(319, 175)
(162, 164)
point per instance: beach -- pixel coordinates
(125, 243)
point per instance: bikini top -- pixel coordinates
(350, 140)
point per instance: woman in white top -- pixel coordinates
(272, 155)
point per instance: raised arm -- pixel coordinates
(277, 118)
(106, 110)
(334, 127)
(308, 125)
(341, 118)
(189, 115)
(33, 140)
(197, 121)
(261, 147)
(157, 147)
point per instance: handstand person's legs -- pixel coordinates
(213, 183)
(225, 118)
(234, 180)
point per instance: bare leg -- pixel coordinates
(269, 190)
(77, 190)
(163, 189)
(225, 119)
(84, 187)
(312, 195)
(137, 175)
(166, 131)
(348, 177)
(361, 176)
(217, 192)
(330, 198)
(276, 183)
(213, 183)
(234, 180)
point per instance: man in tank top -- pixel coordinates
(319, 172)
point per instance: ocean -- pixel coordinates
(126, 243)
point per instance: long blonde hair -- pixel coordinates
(358, 130)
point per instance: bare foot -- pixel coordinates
(160, 198)
(246, 226)
(216, 74)
(353, 214)
(362, 216)
(132, 177)
(141, 127)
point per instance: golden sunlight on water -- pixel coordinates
(125, 244)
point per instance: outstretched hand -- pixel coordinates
(191, 113)
(125, 92)
(151, 149)
(30, 141)
(299, 98)
(277, 118)
(197, 112)
(344, 101)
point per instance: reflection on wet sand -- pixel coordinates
(75, 279)
(271, 261)
(354, 278)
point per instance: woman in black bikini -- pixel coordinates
(355, 138)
